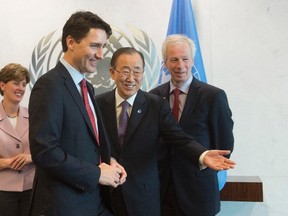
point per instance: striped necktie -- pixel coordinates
(123, 121)
(88, 108)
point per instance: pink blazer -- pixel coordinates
(14, 141)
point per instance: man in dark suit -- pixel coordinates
(204, 114)
(149, 118)
(71, 150)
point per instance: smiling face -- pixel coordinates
(179, 62)
(86, 53)
(13, 91)
(127, 84)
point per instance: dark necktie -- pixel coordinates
(88, 107)
(123, 121)
(175, 109)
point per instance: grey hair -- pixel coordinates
(175, 39)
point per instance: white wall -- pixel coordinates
(249, 53)
(245, 49)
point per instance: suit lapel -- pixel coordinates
(165, 91)
(111, 120)
(138, 111)
(23, 121)
(72, 89)
(91, 95)
(191, 99)
(6, 126)
(103, 139)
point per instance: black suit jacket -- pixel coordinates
(206, 116)
(64, 148)
(150, 118)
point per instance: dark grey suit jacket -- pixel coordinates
(150, 118)
(206, 117)
(64, 148)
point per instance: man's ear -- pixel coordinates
(112, 73)
(70, 42)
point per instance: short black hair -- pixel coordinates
(125, 50)
(80, 23)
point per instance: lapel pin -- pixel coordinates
(139, 111)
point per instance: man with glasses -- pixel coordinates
(134, 142)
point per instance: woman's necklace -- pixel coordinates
(12, 117)
(9, 116)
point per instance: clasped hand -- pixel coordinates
(19, 161)
(113, 174)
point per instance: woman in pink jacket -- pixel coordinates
(16, 168)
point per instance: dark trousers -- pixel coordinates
(15, 203)
(170, 205)
(117, 202)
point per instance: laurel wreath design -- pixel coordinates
(147, 47)
(38, 57)
(42, 54)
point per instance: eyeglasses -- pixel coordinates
(126, 72)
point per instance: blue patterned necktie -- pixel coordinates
(123, 121)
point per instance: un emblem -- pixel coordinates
(48, 51)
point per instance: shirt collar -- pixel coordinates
(184, 88)
(75, 74)
(119, 99)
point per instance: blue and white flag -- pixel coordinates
(182, 22)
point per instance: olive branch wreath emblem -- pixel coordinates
(39, 55)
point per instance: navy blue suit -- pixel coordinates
(64, 149)
(206, 116)
(150, 119)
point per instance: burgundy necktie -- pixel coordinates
(123, 121)
(175, 109)
(88, 107)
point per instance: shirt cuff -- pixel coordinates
(201, 159)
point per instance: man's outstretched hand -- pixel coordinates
(214, 159)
